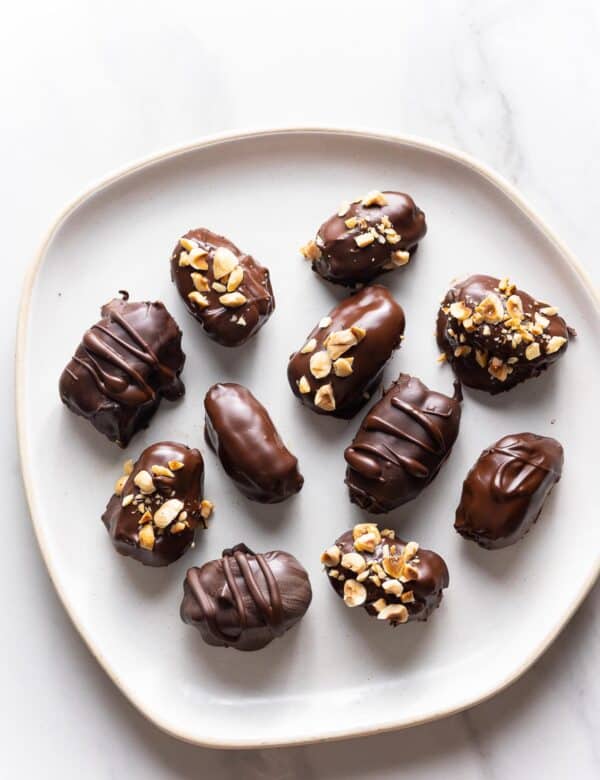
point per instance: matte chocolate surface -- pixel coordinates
(158, 504)
(241, 432)
(124, 365)
(401, 444)
(342, 361)
(245, 599)
(227, 291)
(505, 491)
(495, 336)
(372, 235)
(393, 580)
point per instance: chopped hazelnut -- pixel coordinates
(303, 385)
(161, 471)
(236, 277)
(533, 351)
(364, 239)
(146, 537)
(309, 347)
(331, 556)
(395, 613)
(490, 308)
(355, 593)
(555, 343)
(355, 562)
(374, 198)
(310, 251)
(199, 299)
(206, 508)
(460, 311)
(120, 484)
(224, 261)
(320, 364)
(166, 513)
(325, 399)
(143, 480)
(233, 299)
(200, 282)
(343, 366)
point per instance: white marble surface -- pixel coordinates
(87, 86)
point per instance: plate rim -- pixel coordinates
(216, 139)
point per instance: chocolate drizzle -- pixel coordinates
(245, 599)
(401, 445)
(123, 366)
(505, 490)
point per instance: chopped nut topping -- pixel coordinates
(400, 257)
(410, 572)
(340, 341)
(555, 343)
(177, 527)
(395, 587)
(393, 566)
(351, 222)
(364, 239)
(459, 311)
(331, 556)
(320, 364)
(366, 528)
(325, 322)
(175, 465)
(366, 543)
(388, 533)
(309, 347)
(334, 574)
(200, 282)
(514, 307)
(242, 321)
(143, 480)
(224, 261)
(498, 369)
(233, 299)
(310, 251)
(533, 351)
(199, 299)
(481, 357)
(355, 593)
(393, 238)
(325, 399)
(491, 308)
(541, 320)
(374, 198)
(127, 500)
(128, 467)
(343, 366)
(410, 550)
(146, 515)
(187, 244)
(218, 287)
(441, 358)
(146, 537)
(197, 259)
(395, 613)
(462, 351)
(408, 597)
(236, 277)
(206, 508)
(354, 562)
(162, 471)
(379, 605)
(344, 208)
(120, 484)
(549, 311)
(166, 513)
(303, 385)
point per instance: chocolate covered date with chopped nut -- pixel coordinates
(157, 504)
(504, 493)
(374, 234)
(496, 336)
(240, 431)
(342, 360)
(393, 580)
(223, 288)
(401, 444)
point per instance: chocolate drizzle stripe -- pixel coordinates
(207, 605)
(252, 585)
(274, 593)
(235, 591)
(518, 486)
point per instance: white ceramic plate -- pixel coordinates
(338, 673)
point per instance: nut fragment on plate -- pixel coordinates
(157, 504)
(393, 580)
(376, 233)
(496, 336)
(214, 279)
(341, 362)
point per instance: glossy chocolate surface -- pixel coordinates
(165, 484)
(337, 378)
(505, 491)
(392, 230)
(496, 336)
(245, 599)
(231, 305)
(241, 432)
(392, 580)
(124, 365)
(401, 444)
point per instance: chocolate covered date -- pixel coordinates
(374, 234)
(504, 492)
(495, 336)
(342, 360)
(245, 600)
(227, 291)
(392, 580)
(157, 504)
(401, 444)
(239, 429)
(122, 368)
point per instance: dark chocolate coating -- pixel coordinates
(497, 355)
(401, 444)
(239, 429)
(227, 325)
(505, 491)
(244, 599)
(124, 365)
(342, 261)
(375, 311)
(125, 523)
(419, 579)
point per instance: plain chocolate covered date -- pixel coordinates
(505, 491)
(392, 580)
(122, 368)
(401, 444)
(342, 360)
(241, 432)
(227, 291)
(365, 238)
(157, 504)
(496, 336)
(245, 599)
